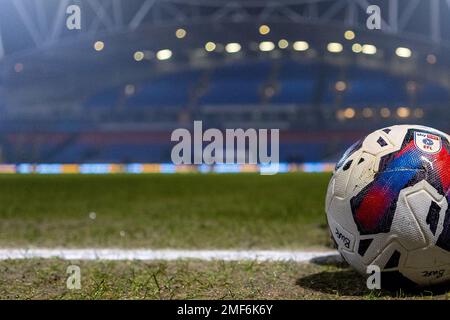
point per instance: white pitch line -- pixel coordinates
(169, 254)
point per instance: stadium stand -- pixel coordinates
(106, 105)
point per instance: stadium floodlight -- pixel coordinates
(164, 54)
(340, 86)
(418, 113)
(349, 35)
(138, 56)
(283, 44)
(335, 47)
(210, 46)
(349, 113)
(266, 46)
(403, 52)
(180, 33)
(403, 112)
(233, 47)
(129, 90)
(357, 48)
(385, 113)
(367, 113)
(340, 115)
(369, 49)
(431, 59)
(411, 86)
(264, 29)
(99, 45)
(18, 67)
(301, 46)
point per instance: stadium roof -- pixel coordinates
(28, 24)
(42, 56)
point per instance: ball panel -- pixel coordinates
(362, 172)
(377, 246)
(428, 208)
(344, 173)
(405, 224)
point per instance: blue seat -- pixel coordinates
(166, 90)
(298, 83)
(367, 87)
(236, 84)
(298, 91)
(104, 99)
(433, 93)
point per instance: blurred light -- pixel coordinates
(138, 55)
(210, 46)
(233, 47)
(180, 33)
(403, 52)
(334, 47)
(340, 86)
(431, 59)
(164, 54)
(349, 35)
(269, 91)
(264, 29)
(349, 113)
(367, 113)
(418, 113)
(129, 90)
(301, 45)
(18, 67)
(266, 46)
(283, 44)
(340, 115)
(403, 112)
(99, 45)
(356, 48)
(95, 168)
(369, 49)
(199, 52)
(385, 112)
(411, 86)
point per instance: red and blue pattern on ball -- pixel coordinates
(374, 207)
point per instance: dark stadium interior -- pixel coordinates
(66, 98)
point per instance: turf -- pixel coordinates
(46, 279)
(164, 211)
(187, 211)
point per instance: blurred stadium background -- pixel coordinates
(106, 98)
(112, 92)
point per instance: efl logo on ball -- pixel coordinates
(428, 142)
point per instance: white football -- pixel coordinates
(388, 204)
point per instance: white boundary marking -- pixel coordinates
(169, 254)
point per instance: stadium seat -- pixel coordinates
(104, 99)
(368, 87)
(236, 84)
(166, 90)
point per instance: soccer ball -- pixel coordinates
(388, 204)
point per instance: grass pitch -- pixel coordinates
(164, 211)
(46, 279)
(188, 211)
